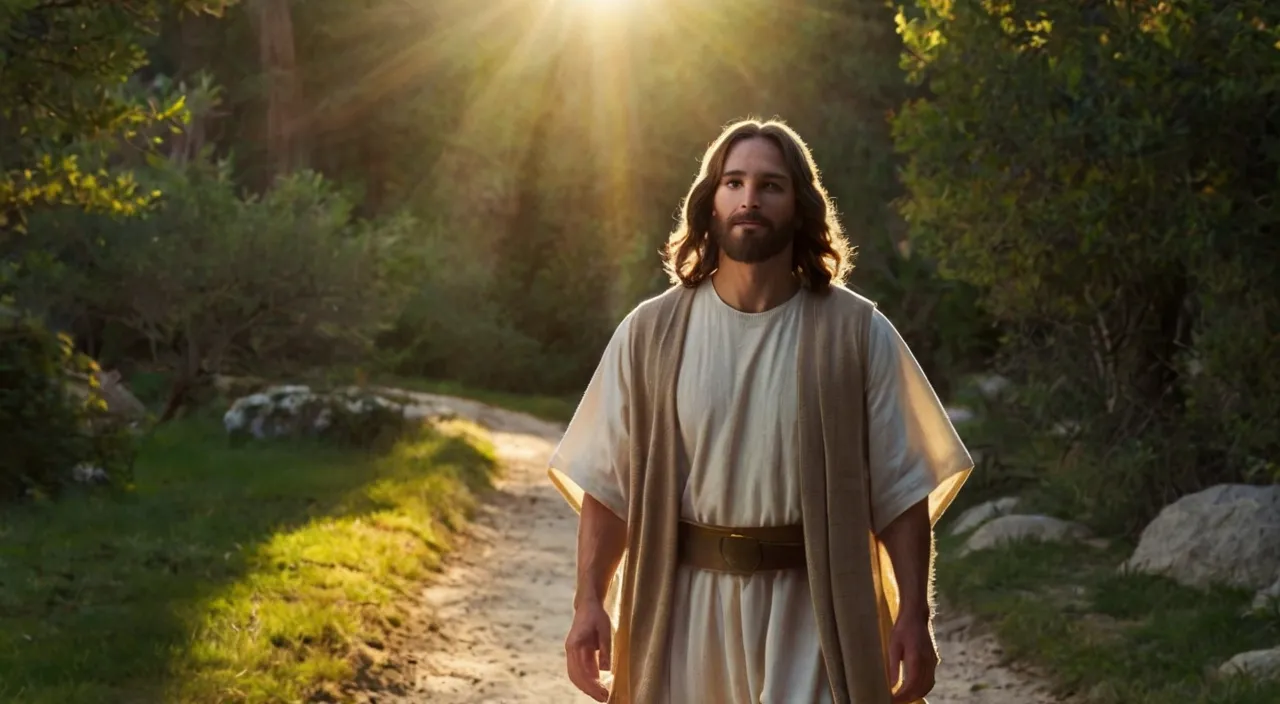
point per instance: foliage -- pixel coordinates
(252, 574)
(67, 106)
(1106, 637)
(47, 431)
(451, 328)
(68, 110)
(212, 279)
(1103, 175)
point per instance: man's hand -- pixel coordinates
(587, 649)
(911, 646)
(909, 541)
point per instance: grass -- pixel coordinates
(1114, 638)
(250, 574)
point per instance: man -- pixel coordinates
(758, 462)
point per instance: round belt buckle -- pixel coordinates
(741, 553)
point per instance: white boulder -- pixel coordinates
(1007, 529)
(1226, 535)
(294, 411)
(973, 518)
(85, 473)
(1255, 664)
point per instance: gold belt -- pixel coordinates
(741, 550)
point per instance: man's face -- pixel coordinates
(755, 203)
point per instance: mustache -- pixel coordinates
(751, 217)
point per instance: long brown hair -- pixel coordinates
(821, 255)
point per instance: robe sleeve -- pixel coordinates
(593, 455)
(915, 452)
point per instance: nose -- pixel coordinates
(751, 200)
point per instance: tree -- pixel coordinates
(1100, 172)
(274, 22)
(65, 102)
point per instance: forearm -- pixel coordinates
(602, 538)
(909, 542)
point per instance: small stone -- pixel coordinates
(1266, 599)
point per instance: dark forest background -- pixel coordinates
(1078, 197)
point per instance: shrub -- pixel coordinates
(46, 432)
(213, 280)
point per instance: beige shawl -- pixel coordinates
(854, 593)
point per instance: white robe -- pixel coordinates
(754, 639)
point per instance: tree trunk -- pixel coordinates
(284, 95)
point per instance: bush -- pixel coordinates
(214, 280)
(450, 328)
(45, 431)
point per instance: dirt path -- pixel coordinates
(491, 627)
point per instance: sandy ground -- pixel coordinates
(491, 627)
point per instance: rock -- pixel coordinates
(354, 413)
(1267, 599)
(992, 386)
(1228, 534)
(1004, 529)
(89, 474)
(1065, 429)
(121, 403)
(1257, 664)
(980, 514)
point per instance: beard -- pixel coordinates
(760, 244)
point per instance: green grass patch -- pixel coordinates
(231, 574)
(1114, 638)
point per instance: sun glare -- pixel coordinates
(603, 5)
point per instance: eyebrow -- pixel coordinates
(766, 174)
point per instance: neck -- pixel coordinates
(755, 288)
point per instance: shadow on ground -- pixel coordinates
(101, 597)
